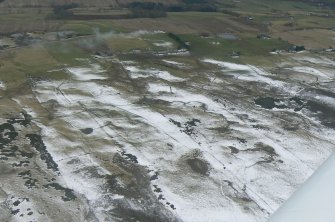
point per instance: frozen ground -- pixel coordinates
(147, 144)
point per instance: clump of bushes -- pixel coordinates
(193, 5)
(179, 41)
(146, 10)
(153, 9)
(63, 11)
(297, 48)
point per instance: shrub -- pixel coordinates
(180, 42)
(63, 11)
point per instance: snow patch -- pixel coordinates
(228, 65)
(2, 85)
(136, 72)
(309, 70)
(319, 61)
(85, 74)
(246, 72)
(177, 64)
(163, 44)
(159, 88)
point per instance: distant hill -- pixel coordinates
(81, 3)
(315, 2)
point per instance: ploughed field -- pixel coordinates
(159, 135)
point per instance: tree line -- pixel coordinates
(137, 10)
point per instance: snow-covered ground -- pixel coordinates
(180, 149)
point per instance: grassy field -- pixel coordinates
(287, 22)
